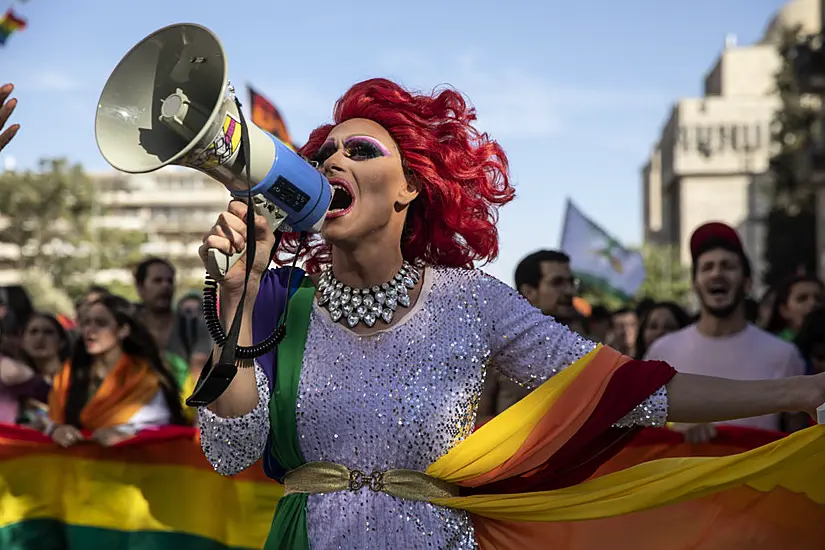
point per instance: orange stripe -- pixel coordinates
(736, 518)
(179, 452)
(562, 421)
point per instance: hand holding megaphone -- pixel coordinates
(227, 239)
(169, 102)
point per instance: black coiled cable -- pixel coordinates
(213, 322)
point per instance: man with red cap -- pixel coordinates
(723, 343)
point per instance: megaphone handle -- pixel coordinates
(218, 264)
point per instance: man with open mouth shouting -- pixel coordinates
(723, 342)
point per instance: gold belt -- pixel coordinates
(328, 477)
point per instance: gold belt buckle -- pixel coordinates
(358, 480)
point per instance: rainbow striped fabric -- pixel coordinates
(156, 491)
(9, 23)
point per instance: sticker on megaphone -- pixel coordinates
(169, 102)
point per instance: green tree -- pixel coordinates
(51, 217)
(667, 279)
(791, 222)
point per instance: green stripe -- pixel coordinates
(289, 526)
(51, 534)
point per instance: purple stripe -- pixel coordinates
(267, 313)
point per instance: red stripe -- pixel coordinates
(18, 23)
(164, 446)
(13, 433)
(597, 441)
(728, 436)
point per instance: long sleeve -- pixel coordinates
(234, 444)
(529, 347)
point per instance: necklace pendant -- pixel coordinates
(367, 305)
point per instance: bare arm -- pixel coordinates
(14, 372)
(698, 399)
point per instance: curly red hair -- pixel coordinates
(462, 173)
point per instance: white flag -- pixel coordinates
(597, 258)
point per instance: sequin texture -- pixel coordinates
(234, 444)
(403, 397)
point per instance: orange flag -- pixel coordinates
(267, 117)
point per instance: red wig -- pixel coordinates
(462, 174)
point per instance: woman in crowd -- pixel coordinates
(661, 318)
(44, 347)
(114, 384)
(389, 337)
(795, 298)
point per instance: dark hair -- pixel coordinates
(625, 310)
(812, 332)
(777, 323)
(681, 316)
(18, 309)
(139, 344)
(644, 306)
(528, 271)
(716, 243)
(142, 269)
(600, 313)
(63, 350)
(97, 289)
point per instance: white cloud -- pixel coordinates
(49, 81)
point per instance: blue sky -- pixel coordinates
(576, 92)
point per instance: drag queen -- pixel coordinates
(366, 412)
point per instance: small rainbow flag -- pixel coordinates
(9, 23)
(156, 491)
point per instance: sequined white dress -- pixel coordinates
(401, 399)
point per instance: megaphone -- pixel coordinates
(169, 102)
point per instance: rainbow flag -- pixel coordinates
(9, 23)
(746, 516)
(156, 491)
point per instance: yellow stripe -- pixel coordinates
(127, 497)
(796, 462)
(496, 441)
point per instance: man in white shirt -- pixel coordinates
(723, 343)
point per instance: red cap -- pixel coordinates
(715, 231)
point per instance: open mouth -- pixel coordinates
(718, 290)
(342, 199)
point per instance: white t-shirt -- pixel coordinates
(751, 354)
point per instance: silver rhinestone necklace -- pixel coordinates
(367, 305)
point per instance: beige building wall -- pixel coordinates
(711, 149)
(714, 150)
(174, 206)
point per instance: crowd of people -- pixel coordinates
(116, 368)
(356, 414)
(731, 335)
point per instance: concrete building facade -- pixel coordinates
(711, 159)
(174, 206)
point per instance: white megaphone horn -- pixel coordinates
(169, 102)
